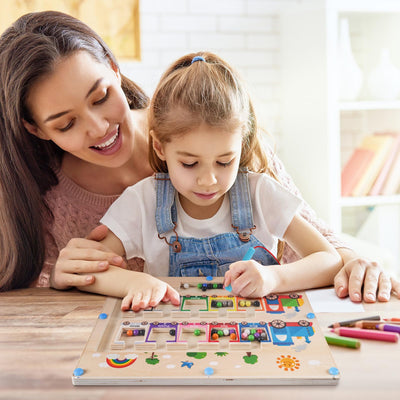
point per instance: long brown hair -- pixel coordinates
(203, 88)
(29, 50)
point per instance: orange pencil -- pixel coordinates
(395, 321)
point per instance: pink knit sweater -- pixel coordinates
(77, 211)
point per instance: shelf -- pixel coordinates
(369, 105)
(370, 201)
(318, 130)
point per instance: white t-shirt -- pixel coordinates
(132, 219)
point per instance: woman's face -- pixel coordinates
(82, 109)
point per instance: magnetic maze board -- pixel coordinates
(212, 338)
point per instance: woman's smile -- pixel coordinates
(110, 144)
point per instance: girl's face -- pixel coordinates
(82, 109)
(203, 166)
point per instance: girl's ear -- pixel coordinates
(34, 130)
(158, 147)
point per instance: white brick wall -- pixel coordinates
(244, 32)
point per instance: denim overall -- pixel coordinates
(209, 256)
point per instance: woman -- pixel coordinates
(72, 138)
(41, 160)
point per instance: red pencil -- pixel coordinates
(367, 334)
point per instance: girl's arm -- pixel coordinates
(137, 289)
(319, 262)
(318, 266)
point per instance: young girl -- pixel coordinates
(212, 198)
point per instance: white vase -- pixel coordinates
(350, 74)
(384, 79)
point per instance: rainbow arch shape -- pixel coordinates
(119, 362)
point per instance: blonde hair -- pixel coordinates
(202, 88)
(207, 91)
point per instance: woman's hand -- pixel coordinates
(362, 279)
(83, 256)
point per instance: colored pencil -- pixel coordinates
(367, 334)
(351, 322)
(388, 328)
(343, 341)
(249, 254)
(366, 324)
(392, 319)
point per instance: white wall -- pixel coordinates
(243, 32)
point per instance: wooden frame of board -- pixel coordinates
(212, 338)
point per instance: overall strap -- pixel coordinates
(166, 214)
(241, 209)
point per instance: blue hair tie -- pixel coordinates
(197, 58)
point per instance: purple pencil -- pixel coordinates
(388, 328)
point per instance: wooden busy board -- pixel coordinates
(212, 338)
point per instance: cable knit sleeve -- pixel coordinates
(76, 212)
(289, 255)
(50, 260)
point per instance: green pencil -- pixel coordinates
(343, 341)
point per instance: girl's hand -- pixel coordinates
(83, 256)
(362, 279)
(250, 279)
(147, 291)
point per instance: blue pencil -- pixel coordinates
(249, 254)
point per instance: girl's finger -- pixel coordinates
(126, 302)
(136, 301)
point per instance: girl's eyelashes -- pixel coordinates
(187, 165)
(220, 163)
(224, 164)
